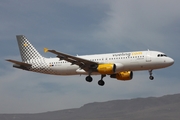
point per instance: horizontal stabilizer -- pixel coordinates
(19, 63)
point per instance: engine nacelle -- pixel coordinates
(124, 76)
(106, 68)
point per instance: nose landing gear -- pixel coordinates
(151, 77)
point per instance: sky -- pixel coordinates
(85, 27)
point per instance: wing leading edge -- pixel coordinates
(82, 63)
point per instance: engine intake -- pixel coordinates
(124, 76)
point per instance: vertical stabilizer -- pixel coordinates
(26, 49)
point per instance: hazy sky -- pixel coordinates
(85, 27)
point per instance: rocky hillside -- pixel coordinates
(164, 108)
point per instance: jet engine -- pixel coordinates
(106, 68)
(124, 76)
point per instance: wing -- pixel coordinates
(19, 63)
(82, 63)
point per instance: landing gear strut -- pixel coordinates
(150, 73)
(89, 78)
(101, 82)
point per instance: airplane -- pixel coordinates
(120, 65)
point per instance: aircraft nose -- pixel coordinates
(170, 61)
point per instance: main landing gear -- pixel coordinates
(100, 82)
(151, 77)
(89, 78)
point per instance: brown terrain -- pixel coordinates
(152, 108)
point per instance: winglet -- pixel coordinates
(46, 50)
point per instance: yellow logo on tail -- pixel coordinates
(25, 45)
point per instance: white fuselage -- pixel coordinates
(117, 65)
(131, 61)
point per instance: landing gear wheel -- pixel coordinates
(151, 77)
(150, 73)
(89, 79)
(101, 82)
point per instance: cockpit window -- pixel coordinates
(162, 55)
